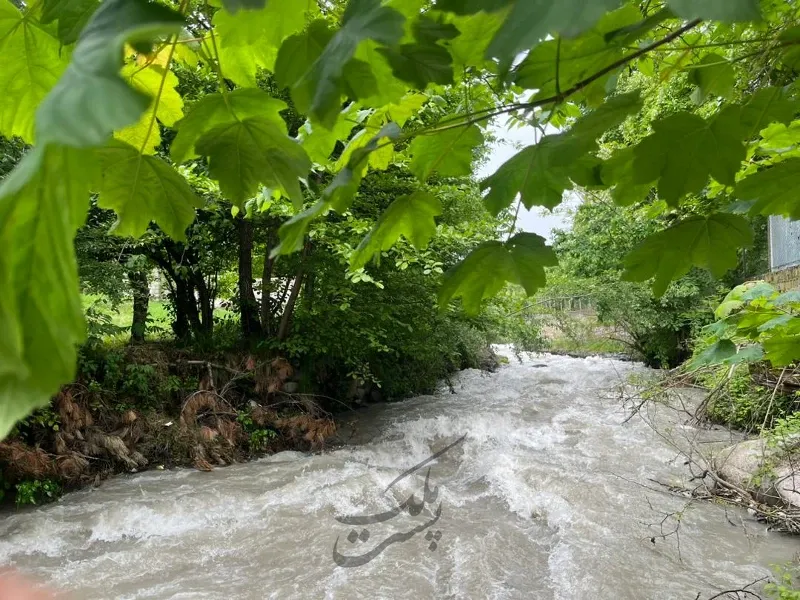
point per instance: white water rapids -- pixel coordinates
(547, 497)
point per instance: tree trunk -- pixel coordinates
(206, 306)
(267, 308)
(248, 306)
(182, 325)
(141, 301)
(286, 318)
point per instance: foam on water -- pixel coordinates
(543, 499)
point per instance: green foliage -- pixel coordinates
(591, 258)
(244, 154)
(33, 63)
(713, 75)
(520, 260)
(69, 115)
(709, 242)
(130, 181)
(684, 150)
(786, 585)
(217, 109)
(259, 438)
(785, 428)
(411, 216)
(72, 16)
(754, 322)
(449, 154)
(771, 190)
(370, 76)
(739, 403)
(38, 491)
(40, 309)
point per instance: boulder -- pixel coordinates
(769, 472)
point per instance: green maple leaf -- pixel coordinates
(153, 82)
(430, 31)
(411, 216)
(32, 63)
(363, 20)
(618, 172)
(70, 114)
(390, 89)
(685, 149)
(582, 137)
(420, 64)
(542, 172)
(319, 142)
(244, 155)
(725, 352)
(533, 174)
(475, 34)
(449, 153)
(711, 242)
(249, 39)
(141, 189)
(530, 22)
(72, 16)
(714, 354)
(357, 80)
(425, 61)
(783, 347)
(717, 10)
(713, 75)
(214, 109)
(779, 138)
(768, 105)
(774, 189)
(42, 204)
(300, 51)
(486, 270)
(573, 60)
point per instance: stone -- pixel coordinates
(769, 472)
(291, 387)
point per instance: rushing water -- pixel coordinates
(546, 497)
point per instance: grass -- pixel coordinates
(121, 317)
(592, 345)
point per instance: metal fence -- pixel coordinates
(784, 243)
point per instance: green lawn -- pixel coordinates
(159, 320)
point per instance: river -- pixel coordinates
(548, 496)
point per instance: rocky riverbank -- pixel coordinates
(765, 472)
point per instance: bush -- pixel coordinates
(38, 491)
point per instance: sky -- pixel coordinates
(539, 220)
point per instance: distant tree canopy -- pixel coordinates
(151, 106)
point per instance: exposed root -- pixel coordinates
(270, 378)
(24, 462)
(313, 430)
(73, 415)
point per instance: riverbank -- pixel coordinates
(755, 464)
(158, 406)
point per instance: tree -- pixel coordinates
(102, 113)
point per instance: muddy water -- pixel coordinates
(544, 498)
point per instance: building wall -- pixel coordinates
(785, 279)
(784, 243)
